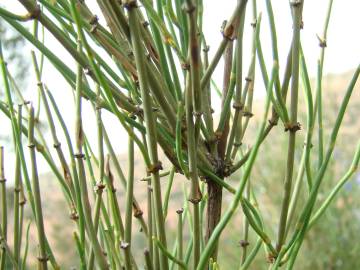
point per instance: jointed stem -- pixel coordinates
(293, 126)
(36, 189)
(160, 92)
(151, 134)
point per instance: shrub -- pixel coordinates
(158, 84)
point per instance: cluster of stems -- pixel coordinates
(160, 88)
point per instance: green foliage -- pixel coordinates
(147, 69)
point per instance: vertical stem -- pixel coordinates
(3, 208)
(150, 254)
(195, 63)
(36, 190)
(80, 250)
(16, 134)
(114, 208)
(319, 115)
(212, 242)
(168, 191)
(245, 242)
(296, 192)
(195, 194)
(228, 33)
(100, 184)
(4, 245)
(305, 215)
(22, 203)
(73, 167)
(17, 202)
(213, 211)
(79, 136)
(280, 98)
(98, 201)
(156, 253)
(228, 86)
(150, 125)
(164, 65)
(150, 220)
(238, 102)
(148, 262)
(293, 126)
(206, 104)
(193, 107)
(138, 213)
(56, 142)
(310, 118)
(249, 85)
(318, 102)
(128, 205)
(180, 235)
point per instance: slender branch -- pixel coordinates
(4, 214)
(293, 126)
(43, 257)
(150, 125)
(235, 202)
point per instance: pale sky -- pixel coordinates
(342, 53)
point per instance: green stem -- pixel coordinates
(9, 111)
(3, 208)
(195, 194)
(168, 190)
(195, 64)
(148, 262)
(150, 126)
(336, 189)
(245, 242)
(180, 235)
(251, 255)
(305, 215)
(293, 125)
(79, 137)
(280, 99)
(318, 102)
(56, 142)
(181, 264)
(128, 205)
(5, 246)
(228, 32)
(238, 102)
(255, 224)
(296, 192)
(36, 190)
(72, 165)
(234, 204)
(17, 197)
(310, 118)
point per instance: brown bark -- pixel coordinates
(213, 211)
